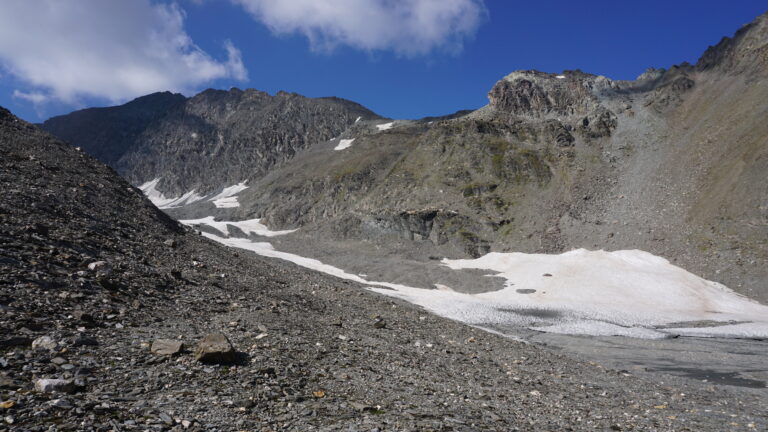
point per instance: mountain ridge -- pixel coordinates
(260, 131)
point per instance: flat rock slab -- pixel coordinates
(215, 348)
(167, 347)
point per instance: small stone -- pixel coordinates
(58, 361)
(170, 243)
(60, 404)
(7, 383)
(379, 323)
(83, 317)
(165, 418)
(215, 348)
(547, 275)
(186, 424)
(166, 347)
(45, 343)
(45, 385)
(82, 340)
(98, 265)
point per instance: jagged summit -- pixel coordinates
(746, 51)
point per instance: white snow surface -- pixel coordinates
(344, 144)
(560, 77)
(162, 202)
(226, 198)
(626, 293)
(230, 191)
(385, 126)
(251, 226)
(358, 119)
(228, 202)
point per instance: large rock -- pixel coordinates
(167, 347)
(215, 348)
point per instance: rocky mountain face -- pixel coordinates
(672, 163)
(114, 317)
(214, 139)
(108, 133)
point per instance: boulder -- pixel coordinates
(215, 348)
(167, 347)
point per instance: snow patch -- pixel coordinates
(251, 226)
(385, 126)
(162, 202)
(358, 119)
(627, 293)
(344, 144)
(226, 198)
(228, 202)
(560, 77)
(230, 191)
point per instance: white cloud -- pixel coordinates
(408, 27)
(113, 49)
(36, 98)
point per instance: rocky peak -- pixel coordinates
(746, 51)
(572, 99)
(545, 95)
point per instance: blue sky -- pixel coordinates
(400, 58)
